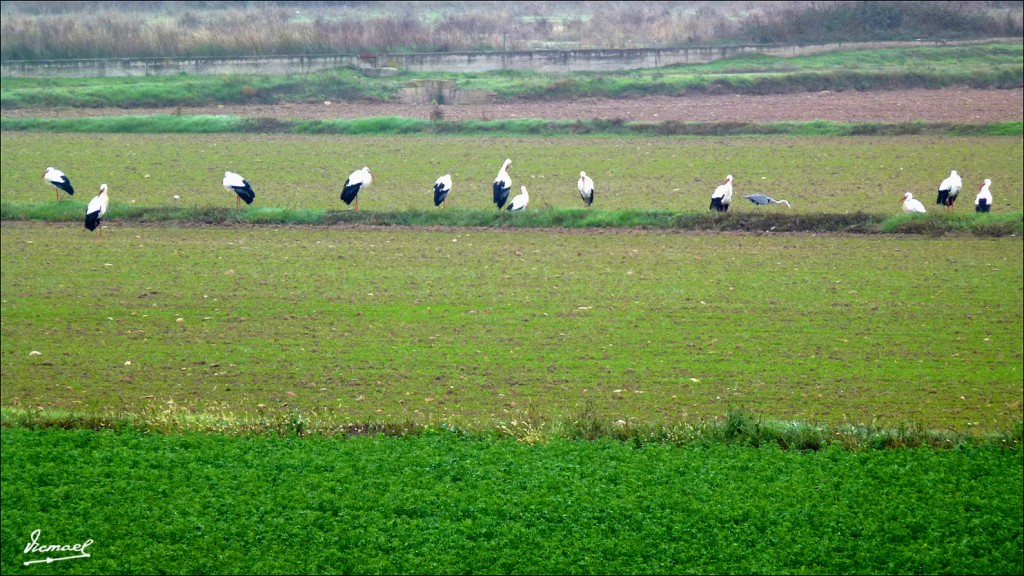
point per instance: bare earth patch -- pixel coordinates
(952, 105)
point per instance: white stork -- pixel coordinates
(59, 181)
(355, 182)
(762, 200)
(586, 187)
(722, 197)
(442, 186)
(912, 205)
(96, 210)
(520, 201)
(502, 184)
(983, 201)
(241, 187)
(949, 189)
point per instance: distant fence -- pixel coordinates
(533, 60)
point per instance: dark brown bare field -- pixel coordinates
(952, 105)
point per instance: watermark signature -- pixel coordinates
(34, 547)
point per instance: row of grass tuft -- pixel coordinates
(739, 426)
(991, 224)
(393, 125)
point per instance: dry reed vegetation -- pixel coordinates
(63, 30)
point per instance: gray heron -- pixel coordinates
(762, 200)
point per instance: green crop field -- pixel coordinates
(818, 175)
(445, 504)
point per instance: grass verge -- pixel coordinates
(738, 426)
(382, 126)
(991, 224)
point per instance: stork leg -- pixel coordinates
(238, 202)
(356, 202)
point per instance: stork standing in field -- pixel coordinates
(983, 201)
(949, 189)
(442, 187)
(910, 204)
(762, 200)
(502, 185)
(586, 187)
(722, 197)
(241, 187)
(520, 201)
(356, 181)
(59, 181)
(96, 210)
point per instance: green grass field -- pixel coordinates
(444, 504)
(818, 175)
(477, 326)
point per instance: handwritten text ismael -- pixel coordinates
(35, 547)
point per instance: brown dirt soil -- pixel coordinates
(951, 105)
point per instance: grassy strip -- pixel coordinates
(760, 83)
(156, 91)
(739, 426)
(937, 223)
(445, 503)
(391, 125)
(993, 66)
